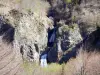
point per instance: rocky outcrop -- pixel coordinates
(69, 35)
(75, 20)
(25, 28)
(30, 25)
(31, 33)
(87, 16)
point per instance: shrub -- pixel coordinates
(84, 64)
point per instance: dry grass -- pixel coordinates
(9, 59)
(52, 69)
(84, 64)
(31, 68)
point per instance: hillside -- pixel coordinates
(68, 31)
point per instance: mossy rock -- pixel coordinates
(75, 2)
(66, 28)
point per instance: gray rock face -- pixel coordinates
(70, 36)
(30, 23)
(31, 33)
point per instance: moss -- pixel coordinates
(65, 28)
(28, 10)
(68, 1)
(75, 2)
(18, 1)
(73, 18)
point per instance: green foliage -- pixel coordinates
(18, 1)
(68, 1)
(35, 69)
(76, 1)
(66, 28)
(28, 10)
(54, 67)
(29, 67)
(72, 1)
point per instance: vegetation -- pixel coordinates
(35, 69)
(85, 63)
(68, 1)
(66, 28)
(54, 67)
